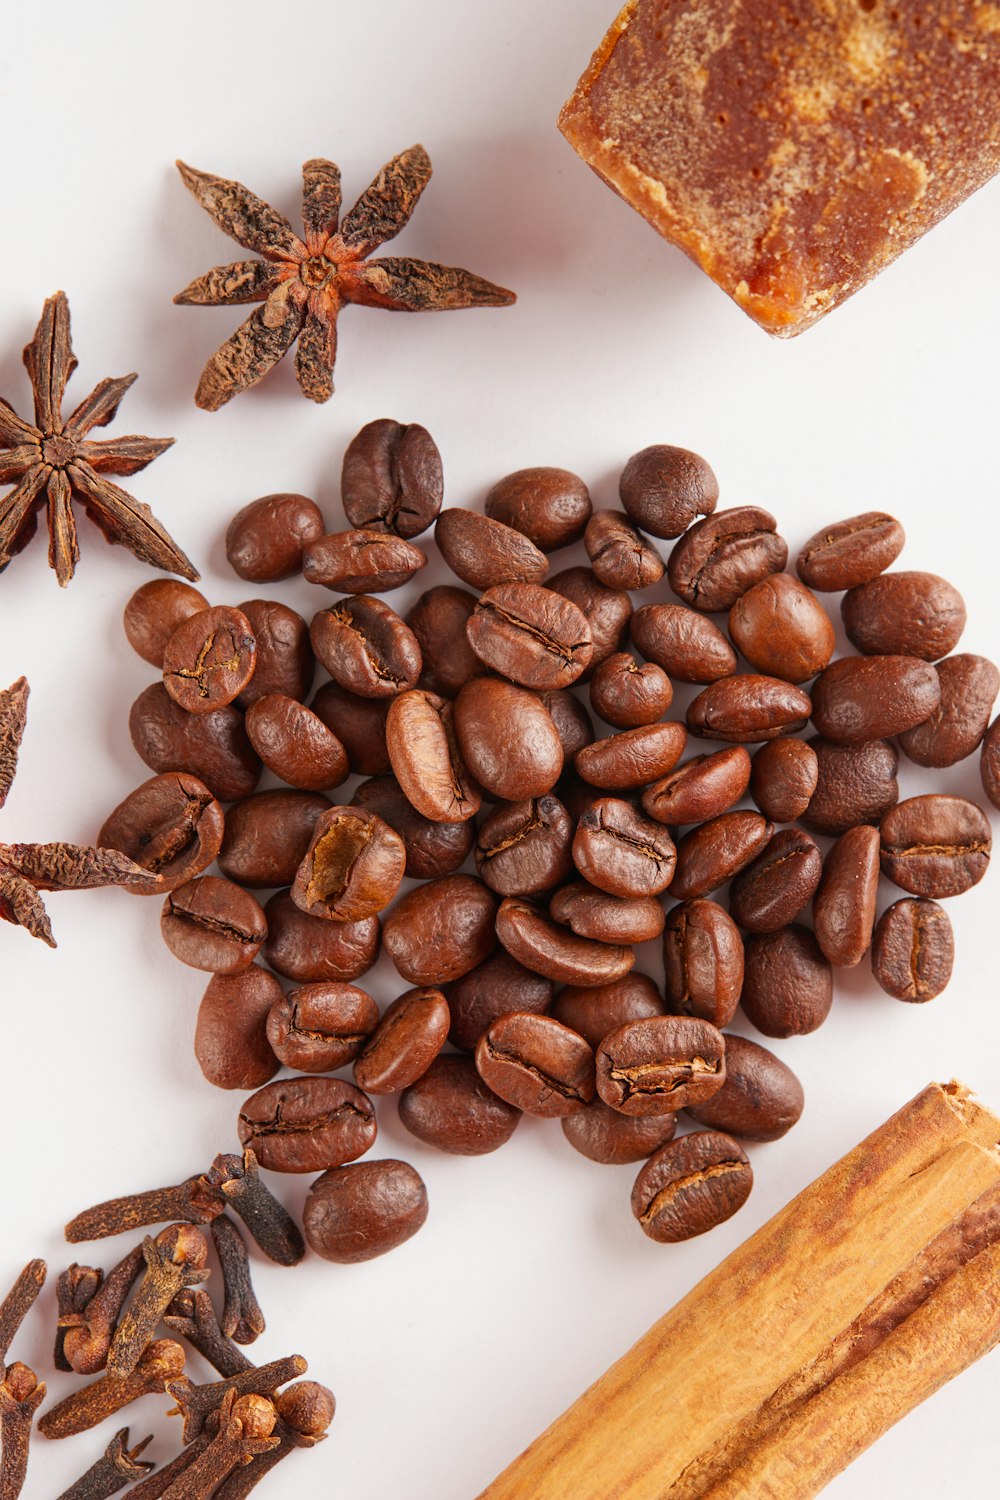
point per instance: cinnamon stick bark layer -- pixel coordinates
(872, 1288)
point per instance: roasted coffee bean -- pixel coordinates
(593, 1012)
(214, 925)
(607, 919)
(606, 611)
(432, 849)
(787, 983)
(702, 787)
(155, 611)
(318, 1028)
(989, 763)
(307, 1124)
(782, 629)
(854, 784)
(627, 695)
(356, 1213)
(850, 552)
(664, 489)
(633, 757)
(450, 1107)
(572, 721)
(660, 1065)
(779, 884)
(352, 868)
(761, 1098)
(209, 659)
(904, 614)
(438, 620)
(935, 845)
(872, 697)
(748, 708)
(605, 1135)
(684, 643)
(702, 962)
(531, 635)
(494, 987)
(406, 1041)
(913, 949)
(844, 905)
(969, 685)
(230, 1038)
(359, 724)
(484, 552)
(690, 1186)
(710, 855)
(544, 947)
(441, 930)
(783, 779)
(623, 852)
(311, 950)
(619, 556)
(551, 507)
(361, 562)
(285, 661)
(295, 744)
(536, 1064)
(267, 836)
(392, 478)
(366, 647)
(171, 825)
(721, 557)
(423, 750)
(212, 746)
(507, 739)
(524, 847)
(265, 540)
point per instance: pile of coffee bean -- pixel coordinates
(475, 747)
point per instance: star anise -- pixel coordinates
(54, 460)
(304, 282)
(26, 869)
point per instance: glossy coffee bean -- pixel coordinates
(850, 552)
(392, 478)
(359, 724)
(596, 1011)
(366, 647)
(171, 825)
(592, 913)
(546, 948)
(352, 868)
(311, 950)
(483, 552)
(748, 708)
(633, 757)
(721, 557)
(265, 539)
(779, 884)
(605, 1135)
(787, 982)
(913, 949)
(209, 659)
(873, 697)
(761, 1098)
(685, 644)
(441, 930)
(969, 686)
(626, 694)
(700, 788)
(623, 852)
(361, 562)
(619, 556)
(214, 925)
(989, 763)
(702, 962)
(307, 1124)
(524, 847)
(267, 836)
(782, 629)
(710, 855)
(406, 1041)
(573, 723)
(295, 744)
(935, 845)
(691, 1185)
(230, 1038)
(536, 1064)
(607, 611)
(424, 754)
(450, 1107)
(551, 507)
(530, 635)
(854, 784)
(357, 1212)
(285, 661)
(318, 1028)
(432, 849)
(660, 1065)
(498, 985)
(213, 747)
(664, 489)
(438, 620)
(844, 905)
(155, 611)
(904, 614)
(783, 779)
(507, 739)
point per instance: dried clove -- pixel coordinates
(242, 1318)
(118, 1466)
(195, 1403)
(192, 1314)
(271, 1225)
(87, 1335)
(162, 1363)
(75, 1288)
(305, 1411)
(196, 1201)
(174, 1259)
(20, 1397)
(18, 1301)
(245, 1427)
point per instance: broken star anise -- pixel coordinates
(26, 869)
(54, 460)
(304, 282)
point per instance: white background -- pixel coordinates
(530, 1276)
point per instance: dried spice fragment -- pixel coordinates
(118, 1466)
(15, 1306)
(20, 1397)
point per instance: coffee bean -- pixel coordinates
(311, 950)
(209, 659)
(572, 721)
(361, 562)
(620, 851)
(904, 614)
(441, 930)
(627, 695)
(213, 747)
(748, 708)
(702, 962)
(267, 836)
(782, 629)
(913, 949)
(406, 1041)
(690, 1186)
(438, 620)
(660, 1065)
(352, 868)
(358, 1212)
(171, 825)
(935, 845)
(318, 1028)
(761, 1098)
(531, 635)
(423, 750)
(618, 555)
(872, 697)
(605, 1135)
(507, 739)
(230, 1038)
(212, 924)
(721, 557)
(392, 478)
(536, 1064)
(494, 987)
(592, 913)
(524, 847)
(850, 552)
(295, 744)
(633, 757)
(551, 507)
(285, 661)
(844, 905)
(989, 763)
(451, 1108)
(359, 724)
(307, 1124)
(684, 643)
(710, 855)
(783, 779)
(702, 787)
(265, 540)
(155, 611)
(969, 686)
(366, 647)
(664, 489)
(546, 948)
(432, 849)
(787, 983)
(606, 611)
(595, 1011)
(484, 552)
(779, 884)
(854, 784)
